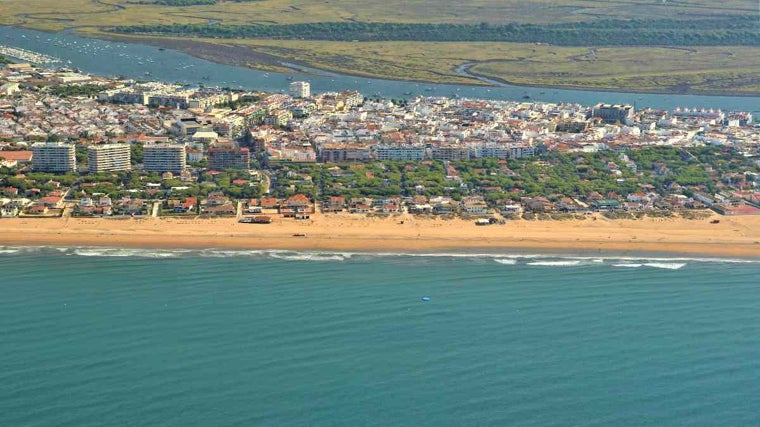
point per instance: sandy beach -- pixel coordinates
(732, 236)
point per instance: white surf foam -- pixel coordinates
(122, 253)
(666, 265)
(533, 259)
(306, 256)
(222, 253)
(628, 265)
(564, 263)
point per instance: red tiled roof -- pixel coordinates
(20, 156)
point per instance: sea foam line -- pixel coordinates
(547, 259)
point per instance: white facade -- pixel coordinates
(300, 89)
(108, 157)
(54, 157)
(400, 152)
(164, 158)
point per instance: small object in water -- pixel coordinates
(426, 299)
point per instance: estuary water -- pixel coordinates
(138, 61)
(95, 337)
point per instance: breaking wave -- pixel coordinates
(570, 263)
(536, 260)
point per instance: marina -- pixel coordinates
(29, 56)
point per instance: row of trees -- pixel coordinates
(64, 91)
(558, 174)
(737, 31)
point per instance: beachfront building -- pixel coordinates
(400, 152)
(341, 152)
(108, 158)
(229, 157)
(56, 157)
(300, 89)
(164, 158)
(450, 152)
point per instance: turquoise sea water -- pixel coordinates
(96, 337)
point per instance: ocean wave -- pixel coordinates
(541, 259)
(222, 253)
(308, 256)
(565, 263)
(667, 266)
(628, 265)
(123, 253)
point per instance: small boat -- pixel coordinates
(299, 235)
(426, 299)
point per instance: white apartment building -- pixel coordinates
(400, 152)
(300, 89)
(164, 158)
(54, 157)
(108, 158)
(518, 151)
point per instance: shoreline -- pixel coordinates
(734, 237)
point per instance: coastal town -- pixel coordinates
(78, 145)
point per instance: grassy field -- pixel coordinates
(699, 70)
(49, 14)
(729, 70)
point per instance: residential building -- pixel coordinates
(229, 157)
(400, 152)
(300, 89)
(54, 157)
(108, 157)
(450, 152)
(333, 152)
(613, 113)
(164, 158)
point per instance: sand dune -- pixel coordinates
(733, 236)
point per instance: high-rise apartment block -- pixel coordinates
(57, 157)
(164, 158)
(613, 113)
(300, 89)
(229, 157)
(108, 158)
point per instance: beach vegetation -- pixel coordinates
(554, 175)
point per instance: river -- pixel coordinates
(138, 61)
